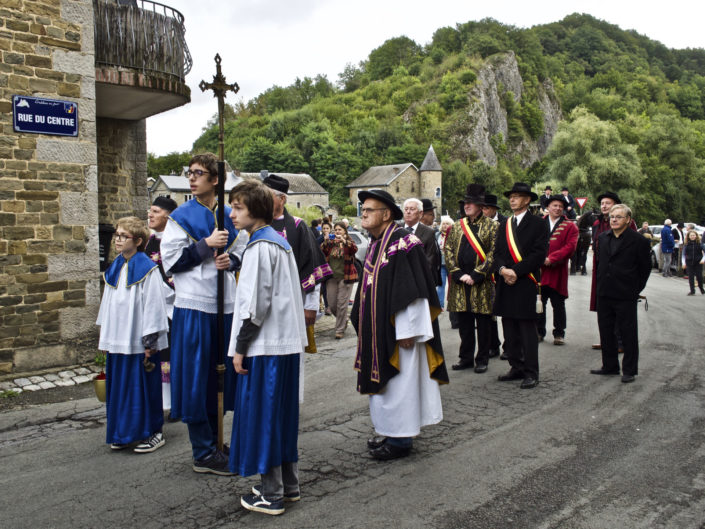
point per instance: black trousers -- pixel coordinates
(467, 322)
(494, 335)
(559, 317)
(622, 314)
(521, 345)
(695, 271)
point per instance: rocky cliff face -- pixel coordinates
(487, 116)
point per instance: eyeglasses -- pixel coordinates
(617, 217)
(197, 173)
(365, 211)
(122, 237)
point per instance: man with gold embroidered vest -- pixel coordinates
(554, 271)
(469, 254)
(399, 353)
(520, 250)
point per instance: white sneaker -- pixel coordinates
(150, 445)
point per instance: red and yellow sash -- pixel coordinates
(514, 249)
(470, 236)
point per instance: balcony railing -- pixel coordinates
(142, 35)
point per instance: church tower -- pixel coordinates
(430, 177)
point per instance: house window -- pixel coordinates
(412, 187)
(187, 198)
(438, 192)
(298, 205)
(164, 195)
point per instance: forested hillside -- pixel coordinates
(633, 116)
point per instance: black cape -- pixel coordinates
(396, 273)
(312, 265)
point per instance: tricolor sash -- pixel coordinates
(514, 249)
(470, 236)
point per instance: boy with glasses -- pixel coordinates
(188, 249)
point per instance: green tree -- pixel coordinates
(399, 51)
(171, 163)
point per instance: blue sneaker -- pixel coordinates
(258, 503)
(216, 463)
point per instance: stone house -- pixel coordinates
(111, 66)
(403, 181)
(304, 191)
(177, 187)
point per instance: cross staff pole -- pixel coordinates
(220, 87)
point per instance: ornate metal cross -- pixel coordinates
(219, 87)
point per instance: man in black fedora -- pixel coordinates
(399, 360)
(429, 212)
(520, 250)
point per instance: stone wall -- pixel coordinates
(49, 287)
(122, 169)
(307, 200)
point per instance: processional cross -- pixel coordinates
(220, 87)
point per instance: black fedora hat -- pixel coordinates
(277, 183)
(383, 197)
(165, 203)
(475, 194)
(427, 205)
(610, 195)
(523, 189)
(491, 201)
(553, 198)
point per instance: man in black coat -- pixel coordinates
(413, 211)
(520, 250)
(623, 268)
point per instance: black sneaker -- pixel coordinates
(258, 503)
(216, 463)
(118, 446)
(150, 445)
(288, 497)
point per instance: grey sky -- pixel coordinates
(267, 42)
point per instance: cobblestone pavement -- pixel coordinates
(577, 452)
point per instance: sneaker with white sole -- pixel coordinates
(118, 446)
(288, 497)
(258, 503)
(156, 440)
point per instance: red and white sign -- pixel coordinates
(581, 201)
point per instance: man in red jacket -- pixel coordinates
(554, 271)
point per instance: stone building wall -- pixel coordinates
(122, 169)
(307, 200)
(49, 287)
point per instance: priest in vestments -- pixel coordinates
(399, 358)
(312, 265)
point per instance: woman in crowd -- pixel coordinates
(326, 229)
(692, 257)
(340, 254)
(446, 226)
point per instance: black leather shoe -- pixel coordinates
(480, 368)
(628, 378)
(493, 353)
(387, 452)
(529, 382)
(512, 374)
(376, 441)
(603, 371)
(503, 356)
(463, 364)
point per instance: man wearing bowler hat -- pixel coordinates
(520, 250)
(399, 360)
(429, 212)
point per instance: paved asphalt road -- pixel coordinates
(579, 451)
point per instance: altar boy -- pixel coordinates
(268, 337)
(133, 328)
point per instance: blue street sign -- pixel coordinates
(44, 116)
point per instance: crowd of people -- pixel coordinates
(159, 317)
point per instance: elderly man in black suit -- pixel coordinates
(413, 211)
(623, 268)
(520, 250)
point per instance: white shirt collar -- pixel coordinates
(520, 216)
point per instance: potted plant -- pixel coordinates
(99, 380)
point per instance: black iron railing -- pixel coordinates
(142, 35)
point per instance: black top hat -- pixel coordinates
(491, 201)
(427, 205)
(548, 188)
(609, 194)
(564, 189)
(165, 203)
(553, 198)
(523, 189)
(277, 183)
(384, 197)
(475, 194)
